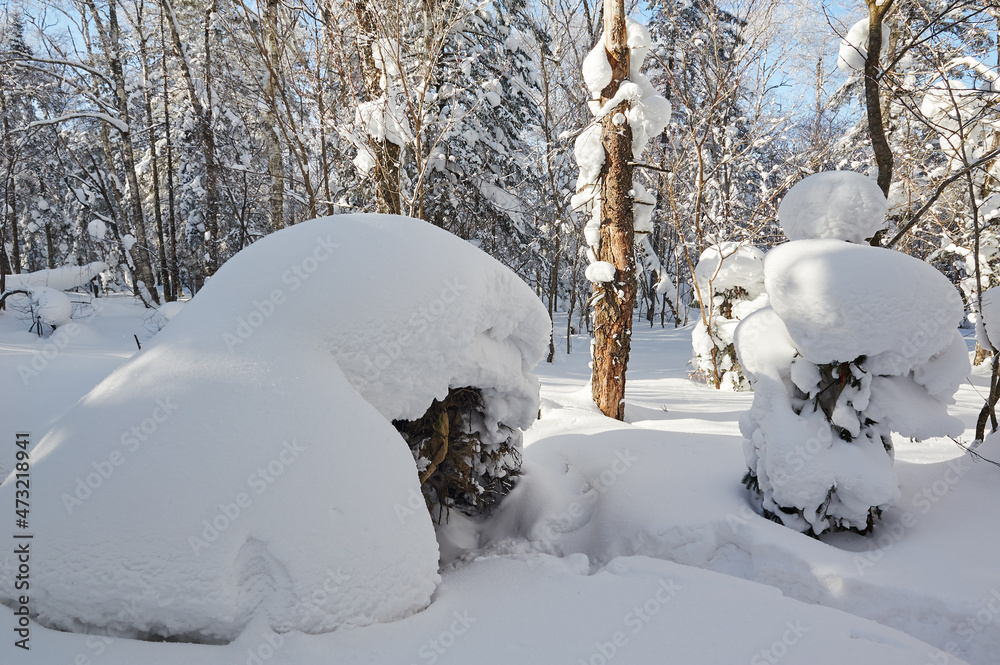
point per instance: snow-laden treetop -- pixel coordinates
(833, 204)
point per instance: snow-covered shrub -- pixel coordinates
(858, 342)
(243, 463)
(38, 296)
(463, 463)
(730, 280)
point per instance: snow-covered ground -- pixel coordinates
(623, 543)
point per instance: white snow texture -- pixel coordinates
(284, 483)
(887, 323)
(60, 279)
(833, 204)
(723, 269)
(854, 47)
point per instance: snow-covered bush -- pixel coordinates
(858, 342)
(39, 296)
(730, 281)
(243, 463)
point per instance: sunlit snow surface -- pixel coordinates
(631, 542)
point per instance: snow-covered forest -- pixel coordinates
(506, 331)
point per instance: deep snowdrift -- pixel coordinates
(230, 468)
(677, 501)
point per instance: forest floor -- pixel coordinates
(624, 542)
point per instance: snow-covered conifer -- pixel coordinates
(858, 342)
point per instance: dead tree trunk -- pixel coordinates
(614, 301)
(877, 10)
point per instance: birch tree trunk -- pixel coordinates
(204, 116)
(110, 35)
(615, 300)
(386, 153)
(275, 164)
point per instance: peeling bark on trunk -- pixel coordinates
(613, 311)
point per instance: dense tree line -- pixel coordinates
(164, 136)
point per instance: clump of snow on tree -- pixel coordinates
(51, 307)
(648, 115)
(956, 110)
(858, 342)
(988, 321)
(730, 279)
(64, 278)
(232, 469)
(854, 47)
(833, 204)
(97, 229)
(600, 272)
(380, 120)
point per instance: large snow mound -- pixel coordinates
(230, 469)
(833, 204)
(840, 301)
